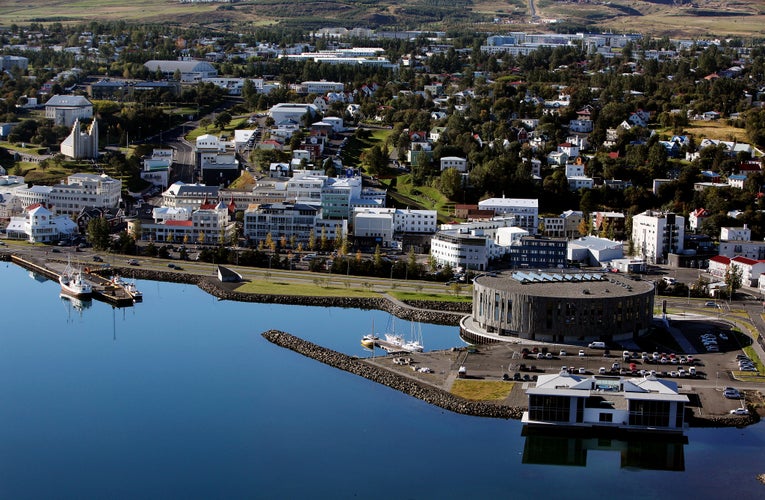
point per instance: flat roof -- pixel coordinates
(566, 284)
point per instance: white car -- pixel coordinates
(581, 353)
(739, 411)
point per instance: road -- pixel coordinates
(381, 285)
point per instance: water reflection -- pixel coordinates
(651, 452)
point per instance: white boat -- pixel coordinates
(370, 339)
(72, 283)
(129, 287)
(411, 345)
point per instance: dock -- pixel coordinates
(389, 347)
(104, 289)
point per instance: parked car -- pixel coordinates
(581, 353)
(739, 411)
(731, 393)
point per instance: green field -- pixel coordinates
(704, 17)
(323, 288)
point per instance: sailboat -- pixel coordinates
(411, 345)
(415, 343)
(369, 339)
(72, 283)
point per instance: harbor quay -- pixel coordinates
(517, 362)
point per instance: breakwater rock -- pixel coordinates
(461, 307)
(429, 394)
(439, 317)
(724, 420)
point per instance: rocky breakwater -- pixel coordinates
(415, 388)
(439, 317)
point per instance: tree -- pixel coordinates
(312, 240)
(733, 279)
(450, 182)
(323, 238)
(584, 226)
(222, 120)
(98, 233)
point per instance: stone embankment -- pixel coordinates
(724, 420)
(415, 388)
(412, 313)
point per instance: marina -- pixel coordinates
(229, 419)
(90, 282)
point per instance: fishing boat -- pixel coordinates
(72, 283)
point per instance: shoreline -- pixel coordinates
(422, 390)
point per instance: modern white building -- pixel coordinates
(386, 225)
(569, 400)
(319, 87)
(657, 234)
(594, 251)
(525, 210)
(280, 220)
(292, 111)
(468, 249)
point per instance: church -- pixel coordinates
(81, 144)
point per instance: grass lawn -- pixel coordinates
(716, 130)
(356, 145)
(266, 287)
(423, 197)
(482, 390)
(437, 297)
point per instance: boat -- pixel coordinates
(397, 340)
(370, 339)
(73, 284)
(128, 286)
(415, 343)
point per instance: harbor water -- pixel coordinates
(181, 397)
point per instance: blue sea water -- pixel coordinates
(181, 397)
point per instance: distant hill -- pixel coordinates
(657, 17)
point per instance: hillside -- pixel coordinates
(656, 17)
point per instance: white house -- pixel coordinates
(735, 233)
(454, 162)
(40, 225)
